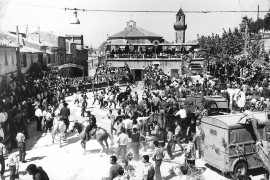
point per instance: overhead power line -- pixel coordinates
(136, 11)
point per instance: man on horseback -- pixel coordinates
(91, 125)
(65, 113)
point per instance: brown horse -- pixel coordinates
(101, 135)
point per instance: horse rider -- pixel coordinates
(65, 113)
(91, 125)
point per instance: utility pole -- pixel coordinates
(245, 45)
(39, 34)
(245, 48)
(18, 54)
(258, 13)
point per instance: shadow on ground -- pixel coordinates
(253, 172)
(35, 158)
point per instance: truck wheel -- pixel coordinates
(239, 169)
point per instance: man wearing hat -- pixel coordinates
(65, 113)
(91, 124)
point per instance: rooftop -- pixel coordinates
(231, 121)
(180, 12)
(132, 31)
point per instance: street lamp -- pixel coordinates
(75, 19)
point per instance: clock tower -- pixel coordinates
(180, 27)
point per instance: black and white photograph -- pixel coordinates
(134, 89)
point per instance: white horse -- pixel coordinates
(59, 128)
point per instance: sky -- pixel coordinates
(50, 15)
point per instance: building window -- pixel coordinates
(40, 58)
(12, 58)
(6, 59)
(24, 60)
(49, 59)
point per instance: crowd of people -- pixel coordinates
(105, 68)
(151, 53)
(162, 115)
(159, 113)
(234, 72)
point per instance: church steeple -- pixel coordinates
(180, 27)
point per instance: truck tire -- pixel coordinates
(240, 168)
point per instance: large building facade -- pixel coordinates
(140, 48)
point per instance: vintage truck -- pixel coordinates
(230, 146)
(216, 105)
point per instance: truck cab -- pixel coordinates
(216, 105)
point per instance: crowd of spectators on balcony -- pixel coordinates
(105, 68)
(151, 53)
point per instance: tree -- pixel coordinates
(231, 43)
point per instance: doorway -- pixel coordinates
(174, 73)
(138, 74)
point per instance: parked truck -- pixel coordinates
(231, 147)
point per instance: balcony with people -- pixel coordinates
(150, 52)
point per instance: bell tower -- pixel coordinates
(180, 27)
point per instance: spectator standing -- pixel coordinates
(198, 137)
(156, 103)
(3, 118)
(114, 168)
(83, 108)
(13, 164)
(112, 100)
(38, 114)
(241, 100)
(111, 117)
(95, 94)
(48, 121)
(158, 155)
(143, 129)
(135, 142)
(177, 135)
(84, 97)
(190, 151)
(148, 169)
(101, 98)
(136, 97)
(183, 114)
(128, 126)
(2, 131)
(122, 142)
(76, 98)
(2, 159)
(21, 144)
(170, 142)
(106, 99)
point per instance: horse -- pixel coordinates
(59, 127)
(122, 96)
(101, 136)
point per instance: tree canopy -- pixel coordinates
(231, 43)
